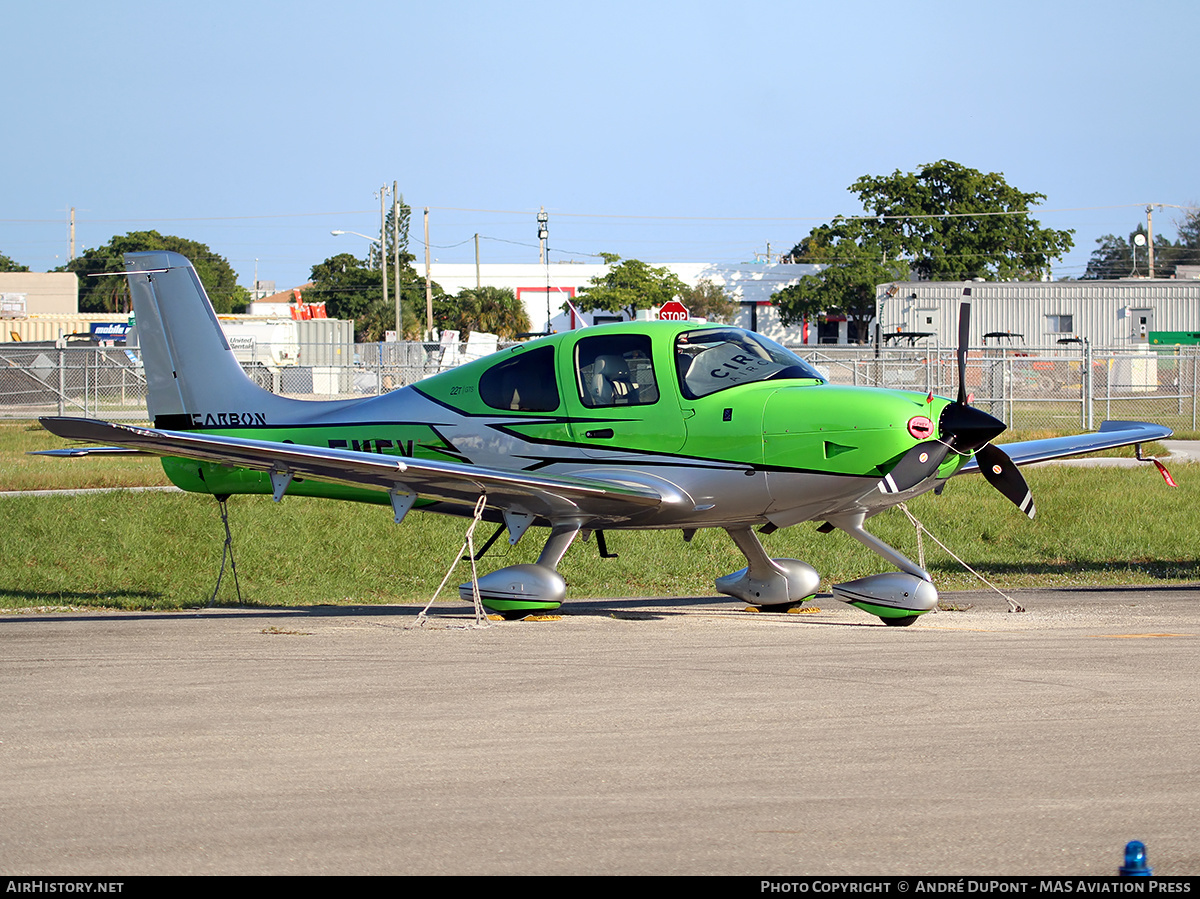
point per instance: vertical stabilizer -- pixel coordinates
(192, 377)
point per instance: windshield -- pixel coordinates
(716, 358)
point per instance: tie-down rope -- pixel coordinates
(481, 619)
(1013, 605)
(226, 553)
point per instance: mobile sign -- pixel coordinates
(673, 311)
(110, 330)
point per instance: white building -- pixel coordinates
(546, 289)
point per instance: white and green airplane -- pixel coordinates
(664, 425)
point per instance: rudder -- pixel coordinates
(193, 379)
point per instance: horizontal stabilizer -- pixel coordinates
(74, 452)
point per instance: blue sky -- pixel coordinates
(665, 131)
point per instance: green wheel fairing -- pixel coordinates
(509, 606)
(886, 611)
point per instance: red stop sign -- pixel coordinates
(673, 311)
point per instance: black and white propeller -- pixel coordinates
(963, 429)
(1003, 474)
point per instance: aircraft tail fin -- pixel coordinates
(193, 379)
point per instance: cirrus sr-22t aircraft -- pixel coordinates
(631, 426)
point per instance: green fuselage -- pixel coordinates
(745, 434)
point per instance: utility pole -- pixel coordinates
(383, 241)
(543, 233)
(72, 255)
(477, 282)
(1150, 236)
(396, 256)
(428, 283)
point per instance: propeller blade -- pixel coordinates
(964, 337)
(914, 466)
(1004, 475)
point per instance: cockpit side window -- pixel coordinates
(615, 370)
(525, 383)
(717, 358)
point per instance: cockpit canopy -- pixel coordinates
(713, 359)
(616, 368)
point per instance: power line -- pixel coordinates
(614, 216)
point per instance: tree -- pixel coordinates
(494, 310)
(346, 285)
(112, 294)
(951, 223)
(945, 222)
(1115, 257)
(351, 289)
(846, 285)
(1188, 245)
(373, 324)
(402, 222)
(1189, 229)
(710, 301)
(629, 286)
(7, 265)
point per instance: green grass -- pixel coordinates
(163, 551)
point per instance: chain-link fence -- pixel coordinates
(1050, 389)
(109, 382)
(96, 382)
(1035, 389)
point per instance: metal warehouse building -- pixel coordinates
(1041, 313)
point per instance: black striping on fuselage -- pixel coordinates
(375, 445)
(179, 421)
(185, 421)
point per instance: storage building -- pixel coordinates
(1040, 313)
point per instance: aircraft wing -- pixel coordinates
(553, 497)
(1111, 434)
